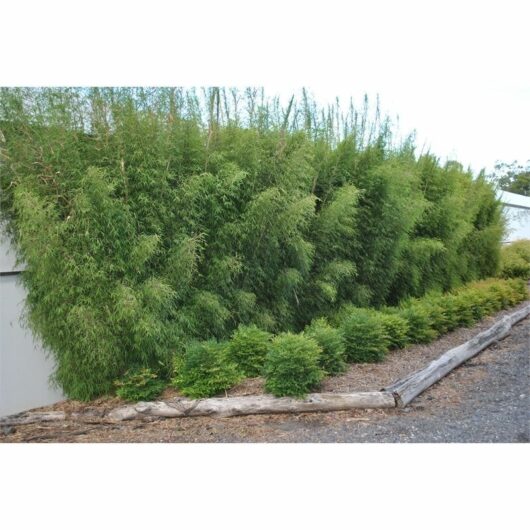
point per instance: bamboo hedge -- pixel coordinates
(149, 218)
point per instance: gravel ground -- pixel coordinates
(485, 400)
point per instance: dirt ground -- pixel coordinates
(484, 400)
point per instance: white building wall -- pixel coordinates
(24, 366)
(517, 210)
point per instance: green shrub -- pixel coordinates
(365, 337)
(519, 289)
(461, 309)
(473, 302)
(332, 357)
(515, 260)
(438, 313)
(420, 324)
(492, 299)
(291, 366)
(204, 370)
(487, 304)
(248, 347)
(140, 384)
(396, 329)
(501, 293)
(449, 308)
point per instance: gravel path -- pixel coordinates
(485, 400)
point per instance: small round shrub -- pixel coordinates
(500, 292)
(515, 260)
(365, 337)
(450, 310)
(519, 290)
(332, 358)
(247, 348)
(491, 299)
(420, 324)
(291, 367)
(205, 370)
(464, 309)
(515, 267)
(487, 302)
(473, 303)
(396, 329)
(139, 384)
(439, 315)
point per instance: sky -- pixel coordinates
(475, 127)
(454, 71)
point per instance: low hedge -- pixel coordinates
(294, 364)
(422, 320)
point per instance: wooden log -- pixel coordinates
(32, 417)
(406, 389)
(266, 404)
(27, 418)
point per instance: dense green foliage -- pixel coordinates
(204, 370)
(436, 314)
(396, 329)
(248, 347)
(515, 260)
(513, 177)
(369, 332)
(139, 385)
(149, 218)
(332, 358)
(296, 363)
(420, 322)
(291, 367)
(365, 336)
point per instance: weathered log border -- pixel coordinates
(406, 389)
(264, 404)
(399, 394)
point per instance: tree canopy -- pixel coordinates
(513, 177)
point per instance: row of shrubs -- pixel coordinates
(294, 364)
(515, 260)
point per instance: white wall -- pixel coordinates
(24, 365)
(517, 210)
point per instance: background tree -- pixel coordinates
(513, 177)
